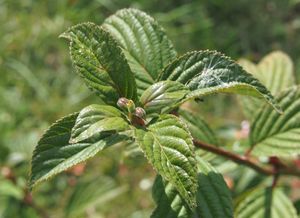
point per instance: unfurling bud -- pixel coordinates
(122, 103)
(131, 106)
(140, 112)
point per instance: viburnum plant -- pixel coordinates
(132, 66)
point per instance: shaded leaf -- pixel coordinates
(145, 44)
(169, 148)
(275, 134)
(54, 154)
(100, 61)
(163, 96)
(208, 72)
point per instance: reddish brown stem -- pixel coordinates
(247, 161)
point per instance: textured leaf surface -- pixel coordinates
(54, 154)
(101, 62)
(145, 44)
(168, 146)
(91, 193)
(208, 72)
(161, 96)
(96, 120)
(263, 203)
(275, 71)
(169, 203)
(213, 196)
(275, 134)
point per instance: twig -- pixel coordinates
(247, 161)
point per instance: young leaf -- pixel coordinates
(213, 196)
(54, 154)
(208, 72)
(162, 96)
(145, 44)
(100, 61)
(169, 148)
(275, 134)
(96, 120)
(265, 203)
(169, 202)
(275, 71)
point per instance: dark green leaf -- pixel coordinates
(54, 154)
(100, 61)
(208, 72)
(145, 44)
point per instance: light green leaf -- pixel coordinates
(95, 121)
(275, 71)
(213, 196)
(162, 96)
(200, 131)
(265, 203)
(208, 72)
(145, 44)
(7, 188)
(275, 134)
(101, 62)
(169, 148)
(91, 193)
(169, 203)
(54, 154)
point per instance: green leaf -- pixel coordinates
(145, 44)
(169, 148)
(54, 154)
(7, 188)
(91, 193)
(208, 72)
(169, 203)
(265, 203)
(163, 96)
(101, 62)
(213, 196)
(94, 121)
(275, 134)
(275, 71)
(200, 130)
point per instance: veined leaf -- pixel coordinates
(96, 120)
(275, 71)
(265, 203)
(208, 72)
(145, 44)
(213, 196)
(161, 96)
(201, 131)
(169, 203)
(54, 154)
(168, 146)
(101, 62)
(275, 134)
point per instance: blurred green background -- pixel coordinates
(38, 85)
